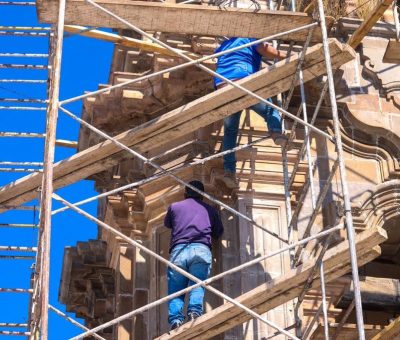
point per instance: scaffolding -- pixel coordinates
(48, 176)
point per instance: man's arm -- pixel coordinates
(217, 227)
(168, 218)
(268, 51)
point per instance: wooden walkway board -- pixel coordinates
(185, 19)
(179, 122)
(283, 289)
(390, 332)
(349, 331)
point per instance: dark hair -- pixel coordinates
(190, 193)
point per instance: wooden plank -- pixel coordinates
(278, 291)
(124, 41)
(184, 19)
(310, 7)
(348, 331)
(179, 122)
(368, 23)
(391, 331)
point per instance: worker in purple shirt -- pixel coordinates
(237, 65)
(193, 223)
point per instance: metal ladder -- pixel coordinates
(23, 93)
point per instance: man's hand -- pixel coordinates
(268, 51)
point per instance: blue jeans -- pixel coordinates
(194, 258)
(231, 127)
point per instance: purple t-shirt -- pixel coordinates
(193, 221)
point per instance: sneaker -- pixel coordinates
(230, 180)
(193, 316)
(279, 138)
(175, 324)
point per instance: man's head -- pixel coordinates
(190, 193)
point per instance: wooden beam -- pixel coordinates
(348, 331)
(283, 289)
(184, 19)
(390, 332)
(310, 7)
(368, 23)
(124, 41)
(179, 122)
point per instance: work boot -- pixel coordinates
(193, 316)
(175, 324)
(279, 138)
(230, 180)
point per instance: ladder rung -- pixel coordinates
(20, 208)
(24, 55)
(15, 333)
(19, 170)
(18, 248)
(23, 108)
(24, 66)
(24, 34)
(22, 100)
(22, 163)
(59, 142)
(16, 257)
(17, 3)
(10, 324)
(25, 81)
(16, 290)
(18, 225)
(24, 28)
(23, 134)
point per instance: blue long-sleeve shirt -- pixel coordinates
(193, 221)
(238, 64)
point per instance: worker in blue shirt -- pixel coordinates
(193, 224)
(237, 65)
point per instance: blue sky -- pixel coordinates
(85, 64)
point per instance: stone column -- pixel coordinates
(124, 296)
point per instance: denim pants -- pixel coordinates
(194, 258)
(231, 127)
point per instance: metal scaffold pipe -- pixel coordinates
(72, 321)
(342, 171)
(47, 180)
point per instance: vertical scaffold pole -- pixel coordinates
(47, 181)
(343, 179)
